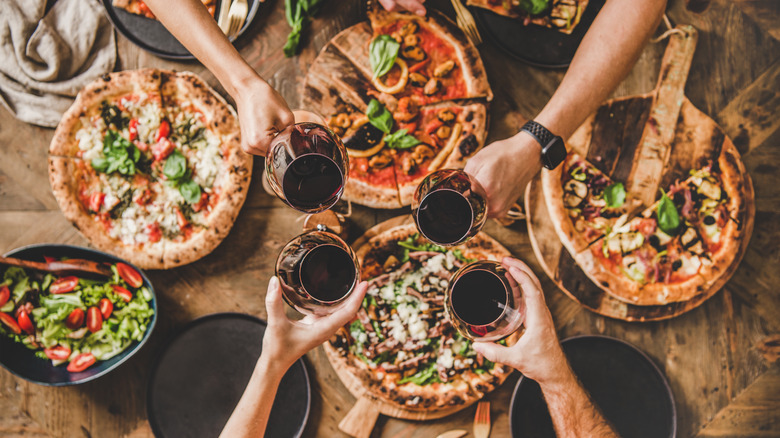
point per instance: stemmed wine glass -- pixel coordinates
(484, 302)
(307, 165)
(449, 207)
(317, 271)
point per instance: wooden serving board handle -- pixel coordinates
(360, 420)
(655, 147)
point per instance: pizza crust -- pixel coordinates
(552, 188)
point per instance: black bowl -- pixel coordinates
(22, 362)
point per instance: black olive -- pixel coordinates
(468, 145)
(709, 220)
(676, 265)
(366, 137)
(655, 242)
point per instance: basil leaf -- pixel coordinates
(379, 116)
(668, 218)
(401, 140)
(119, 155)
(382, 54)
(175, 166)
(615, 195)
(534, 7)
(190, 190)
(100, 164)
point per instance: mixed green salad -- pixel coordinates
(74, 320)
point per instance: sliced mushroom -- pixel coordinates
(413, 53)
(444, 68)
(408, 164)
(411, 40)
(578, 188)
(709, 190)
(689, 238)
(423, 152)
(445, 115)
(417, 79)
(380, 161)
(408, 28)
(571, 200)
(432, 87)
(443, 132)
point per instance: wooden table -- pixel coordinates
(721, 358)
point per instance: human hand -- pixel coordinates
(537, 354)
(415, 6)
(262, 113)
(504, 168)
(286, 341)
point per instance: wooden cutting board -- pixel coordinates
(648, 142)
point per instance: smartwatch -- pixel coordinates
(553, 148)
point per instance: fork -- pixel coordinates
(482, 420)
(236, 17)
(466, 22)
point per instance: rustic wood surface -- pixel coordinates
(721, 358)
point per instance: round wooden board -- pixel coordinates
(567, 274)
(355, 385)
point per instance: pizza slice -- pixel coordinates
(435, 61)
(138, 7)
(561, 15)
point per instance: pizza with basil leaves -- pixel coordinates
(672, 251)
(401, 347)
(147, 165)
(408, 96)
(561, 15)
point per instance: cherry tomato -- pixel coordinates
(203, 203)
(96, 200)
(25, 322)
(132, 129)
(94, 319)
(75, 320)
(155, 234)
(63, 285)
(27, 307)
(5, 294)
(10, 322)
(81, 362)
(181, 219)
(144, 197)
(123, 293)
(130, 275)
(142, 146)
(162, 149)
(106, 307)
(60, 352)
(163, 131)
(48, 259)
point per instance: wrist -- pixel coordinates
(527, 149)
(243, 81)
(273, 366)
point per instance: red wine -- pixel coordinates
(327, 273)
(312, 180)
(444, 216)
(479, 297)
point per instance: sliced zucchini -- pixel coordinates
(631, 241)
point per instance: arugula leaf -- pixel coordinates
(615, 195)
(382, 54)
(190, 191)
(379, 116)
(534, 7)
(668, 218)
(175, 167)
(423, 377)
(401, 140)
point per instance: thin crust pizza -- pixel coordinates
(138, 7)
(560, 15)
(147, 165)
(402, 348)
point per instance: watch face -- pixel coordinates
(554, 153)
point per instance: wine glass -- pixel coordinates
(484, 302)
(317, 271)
(449, 207)
(307, 165)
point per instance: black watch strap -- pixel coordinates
(553, 148)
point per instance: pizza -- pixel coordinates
(670, 252)
(138, 7)
(561, 15)
(402, 347)
(147, 165)
(427, 111)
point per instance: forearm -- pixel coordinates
(197, 30)
(573, 412)
(606, 55)
(250, 417)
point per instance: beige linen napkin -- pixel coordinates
(47, 57)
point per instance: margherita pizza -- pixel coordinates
(673, 251)
(407, 95)
(561, 15)
(402, 348)
(147, 165)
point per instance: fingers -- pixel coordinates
(284, 119)
(510, 262)
(536, 311)
(493, 352)
(351, 306)
(273, 301)
(414, 6)
(256, 143)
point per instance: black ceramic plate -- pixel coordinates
(153, 37)
(203, 372)
(631, 391)
(22, 362)
(535, 45)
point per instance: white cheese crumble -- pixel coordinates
(446, 358)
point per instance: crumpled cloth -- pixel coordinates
(47, 57)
